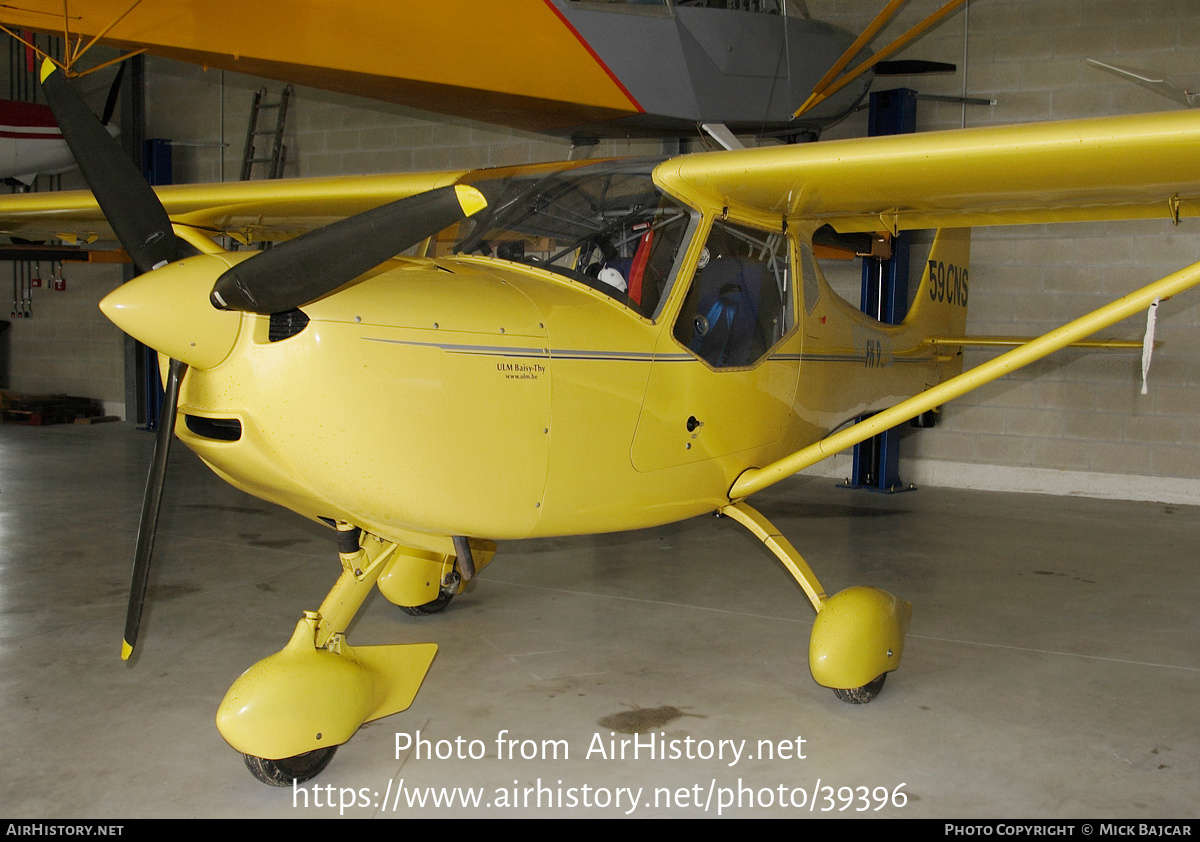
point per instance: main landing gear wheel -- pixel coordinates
(864, 694)
(443, 599)
(301, 768)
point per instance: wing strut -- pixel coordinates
(756, 479)
(825, 88)
(854, 49)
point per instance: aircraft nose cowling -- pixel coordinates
(168, 309)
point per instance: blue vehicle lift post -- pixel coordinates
(885, 297)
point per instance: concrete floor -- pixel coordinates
(1052, 668)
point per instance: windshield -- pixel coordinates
(603, 225)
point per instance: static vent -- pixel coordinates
(287, 324)
(221, 429)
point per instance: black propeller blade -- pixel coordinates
(299, 271)
(150, 506)
(128, 202)
(141, 224)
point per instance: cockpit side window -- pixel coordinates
(646, 259)
(740, 302)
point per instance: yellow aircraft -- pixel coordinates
(660, 328)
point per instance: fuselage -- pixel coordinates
(468, 396)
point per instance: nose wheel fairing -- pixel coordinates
(305, 698)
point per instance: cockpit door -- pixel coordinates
(724, 375)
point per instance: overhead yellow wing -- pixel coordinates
(1142, 166)
(249, 210)
(1138, 166)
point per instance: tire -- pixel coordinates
(301, 768)
(861, 695)
(433, 607)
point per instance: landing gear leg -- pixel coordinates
(289, 712)
(858, 636)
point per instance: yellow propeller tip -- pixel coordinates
(470, 199)
(47, 68)
(126, 651)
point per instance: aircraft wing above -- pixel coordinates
(421, 54)
(251, 211)
(1140, 166)
(567, 68)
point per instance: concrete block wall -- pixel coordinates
(331, 134)
(68, 347)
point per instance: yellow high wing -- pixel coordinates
(248, 211)
(1141, 166)
(1131, 167)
